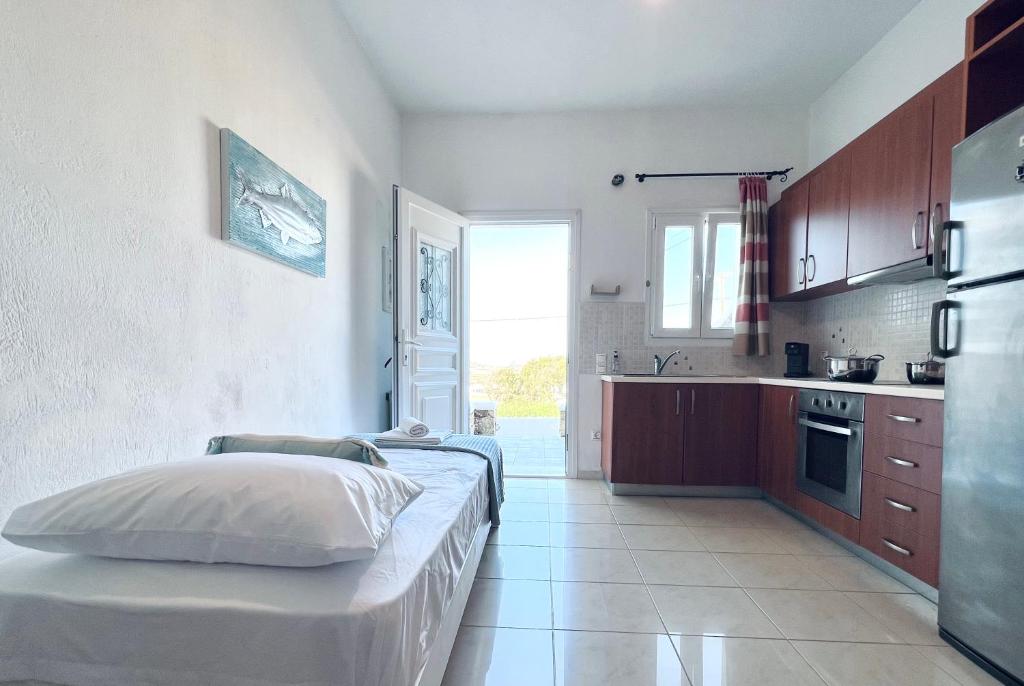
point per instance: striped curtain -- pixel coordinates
(751, 336)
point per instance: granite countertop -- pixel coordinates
(895, 388)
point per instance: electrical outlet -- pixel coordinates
(595, 435)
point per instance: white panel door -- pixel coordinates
(431, 331)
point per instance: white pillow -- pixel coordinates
(252, 508)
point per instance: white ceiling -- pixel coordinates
(551, 55)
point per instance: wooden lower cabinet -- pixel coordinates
(720, 442)
(679, 434)
(900, 524)
(777, 443)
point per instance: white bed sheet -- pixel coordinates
(89, 621)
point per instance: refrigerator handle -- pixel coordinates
(942, 235)
(940, 346)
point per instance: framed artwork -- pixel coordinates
(268, 211)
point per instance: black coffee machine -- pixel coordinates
(797, 355)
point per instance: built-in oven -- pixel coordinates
(831, 448)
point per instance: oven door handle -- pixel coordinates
(826, 427)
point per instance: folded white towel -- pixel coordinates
(413, 427)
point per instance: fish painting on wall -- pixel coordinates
(267, 210)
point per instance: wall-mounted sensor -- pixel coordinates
(618, 179)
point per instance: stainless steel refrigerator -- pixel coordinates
(979, 329)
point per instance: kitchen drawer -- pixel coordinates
(909, 550)
(911, 419)
(885, 500)
(914, 464)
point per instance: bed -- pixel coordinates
(392, 620)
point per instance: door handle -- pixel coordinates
(803, 271)
(693, 400)
(812, 260)
(900, 463)
(918, 218)
(899, 506)
(940, 324)
(899, 549)
(826, 427)
(677, 402)
(942, 254)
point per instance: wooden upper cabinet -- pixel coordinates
(720, 423)
(947, 128)
(828, 220)
(890, 176)
(787, 242)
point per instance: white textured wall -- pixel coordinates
(566, 161)
(923, 46)
(129, 332)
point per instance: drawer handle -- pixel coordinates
(899, 549)
(901, 463)
(901, 418)
(900, 506)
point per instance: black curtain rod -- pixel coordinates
(781, 173)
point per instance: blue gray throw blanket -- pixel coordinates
(481, 446)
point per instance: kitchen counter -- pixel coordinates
(904, 390)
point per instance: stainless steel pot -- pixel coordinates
(853, 368)
(929, 371)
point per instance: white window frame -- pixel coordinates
(705, 223)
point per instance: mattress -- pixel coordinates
(92, 621)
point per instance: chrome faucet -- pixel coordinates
(659, 364)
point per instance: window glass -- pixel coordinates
(677, 293)
(726, 276)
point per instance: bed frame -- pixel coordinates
(439, 653)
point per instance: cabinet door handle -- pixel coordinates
(693, 400)
(677, 402)
(812, 261)
(918, 218)
(900, 463)
(899, 549)
(901, 418)
(790, 410)
(899, 506)
(803, 271)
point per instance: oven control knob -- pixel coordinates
(828, 403)
(842, 405)
(815, 402)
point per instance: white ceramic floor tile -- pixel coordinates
(593, 564)
(580, 514)
(525, 495)
(730, 512)
(520, 533)
(719, 661)
(515, 562)
(584, 658)
(524, 512)
(570, 535)
(958, 666)
(635, 500)
(736, 540)
(681, 568)
(659, 515)
(865, 664)
(806, 542)
(821, 616)
(594, 485)
(509, 603)
(754, 570)
(484, 656)
(652, 537)
(604, 607)
(701, 610)
(913, 618)
(576, 496)
(845, 573)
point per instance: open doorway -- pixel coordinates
(519, 319)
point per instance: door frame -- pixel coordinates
(527, 217)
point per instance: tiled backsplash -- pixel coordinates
(890, 320)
